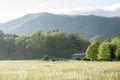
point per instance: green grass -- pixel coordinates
(60, 70)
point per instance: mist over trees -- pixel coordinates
(106, 50)
(36, 45)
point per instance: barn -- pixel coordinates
(78, 56)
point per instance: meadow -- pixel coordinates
(59, 70)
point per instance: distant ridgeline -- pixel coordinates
(34, 46)
(89, 26)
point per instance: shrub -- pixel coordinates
(46, 58)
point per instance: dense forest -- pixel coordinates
(56, 44)
(106, 50)
(34, 46)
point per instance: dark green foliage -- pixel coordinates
(113, 48)
(118, 53)
(7, 45)
(58, 44)
(116, 42)
(46, 58)
(77, 59)
(36, 45)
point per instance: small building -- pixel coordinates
(78, 56)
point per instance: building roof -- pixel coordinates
(78, 55)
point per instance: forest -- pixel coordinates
(56, 44)
(34, 46)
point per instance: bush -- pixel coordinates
(77, 59)
(46, 58)
(86, 59)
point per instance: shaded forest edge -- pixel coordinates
(56, 44)
(34, 46)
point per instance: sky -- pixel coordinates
(11, 9)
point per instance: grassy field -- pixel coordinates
(60, 70)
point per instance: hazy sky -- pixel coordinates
(10, 9)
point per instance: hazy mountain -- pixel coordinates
(89, 26)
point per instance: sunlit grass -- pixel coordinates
(60, 70)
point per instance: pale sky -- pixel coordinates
(11, 9)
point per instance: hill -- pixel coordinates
(90, 26)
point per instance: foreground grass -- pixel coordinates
(68, 70)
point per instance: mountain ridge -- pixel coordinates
(89, 26)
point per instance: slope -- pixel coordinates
(89, 26)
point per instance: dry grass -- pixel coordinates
(60, 70)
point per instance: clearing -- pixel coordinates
(59, 70)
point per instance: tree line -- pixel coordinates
(36, 45)
(106, 50)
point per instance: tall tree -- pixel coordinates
(117, 54)
(92, 51)
(104, 51)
